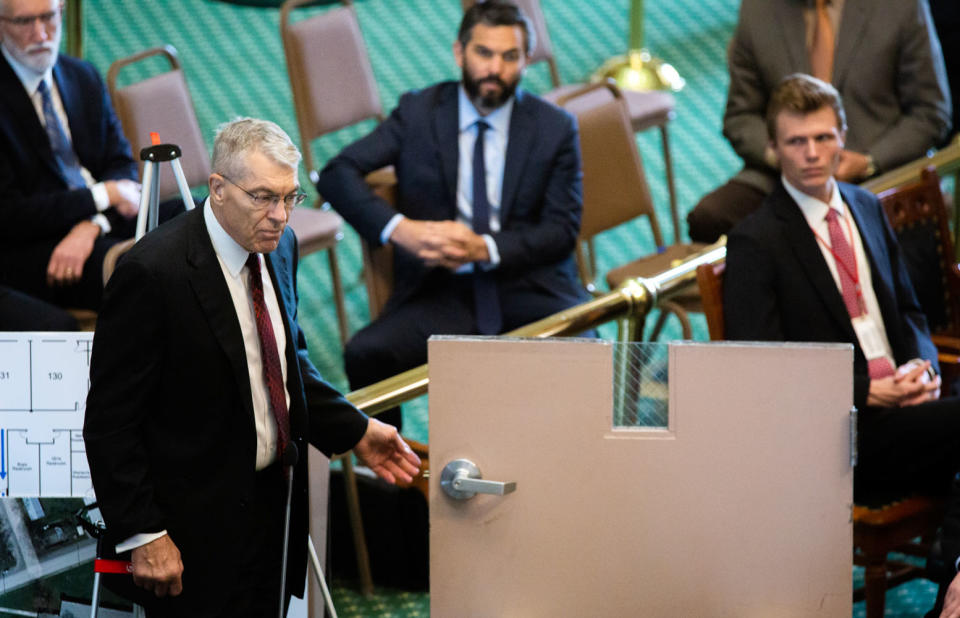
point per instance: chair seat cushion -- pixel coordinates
(650, 108)
(316, 229)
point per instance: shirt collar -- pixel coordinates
(28, 77)
(231, 253)
(814, 210)
(498, 119)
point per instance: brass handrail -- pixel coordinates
(946, 160)
(633, 299)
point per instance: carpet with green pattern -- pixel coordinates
(234, 64)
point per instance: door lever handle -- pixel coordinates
(461, 480)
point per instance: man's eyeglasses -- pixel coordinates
(26, 21)
(264, 200)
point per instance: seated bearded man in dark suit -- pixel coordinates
(488, 202)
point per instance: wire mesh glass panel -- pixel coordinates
(640, 385)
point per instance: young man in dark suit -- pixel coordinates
(201, 381)
(819, 262)
(472, 254)
(67, 178)
(883, 56)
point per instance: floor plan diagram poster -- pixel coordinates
(44, 378)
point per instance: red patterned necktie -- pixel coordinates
(269, 356)
(846, 266)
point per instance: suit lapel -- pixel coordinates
(446, 121)
(206, 279)
(21, 107)
(790, 22)
(853, 24)
(873, 245)
(519, 146)
(804, 246)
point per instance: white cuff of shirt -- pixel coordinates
(138, 540)
(100, 197)
(494, 260)
(103, 222)
(389, 227)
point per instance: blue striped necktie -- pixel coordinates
(62, 149)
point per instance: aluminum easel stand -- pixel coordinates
(152, 156)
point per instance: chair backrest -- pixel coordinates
(161, 104)
(330, 73)
(542, 49)
(918, 215)
(710, 280)
(615, 187)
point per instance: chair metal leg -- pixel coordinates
(666, 308)
(356, 526)
(338, 300)
(671, 189)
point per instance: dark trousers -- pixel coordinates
(255, 593)
(24, 266)
(20, 312)
(397, 340)
(718, 211)
(907, 450)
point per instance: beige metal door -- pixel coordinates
(740, 507)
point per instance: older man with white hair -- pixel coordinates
(201, 388)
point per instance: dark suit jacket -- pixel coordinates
(541, 198)
(169, 425)
(888, 69)
(777, 286)
(35, 203)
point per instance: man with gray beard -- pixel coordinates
(67, 178)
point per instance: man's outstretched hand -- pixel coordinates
(383, 450)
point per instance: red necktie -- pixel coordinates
(269, 356)
(846, 267)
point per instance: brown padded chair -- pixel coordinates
(615, 191)
(333, 87)
(331, 80)
(918, 215)
(879, 529)
(646, 109)
(161, 104)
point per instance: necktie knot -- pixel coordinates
(482, 125)
(253, 263)
(43, 89)
(832, 215)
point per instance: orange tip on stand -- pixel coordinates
(154, 138)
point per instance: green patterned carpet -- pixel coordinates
(234, 64)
